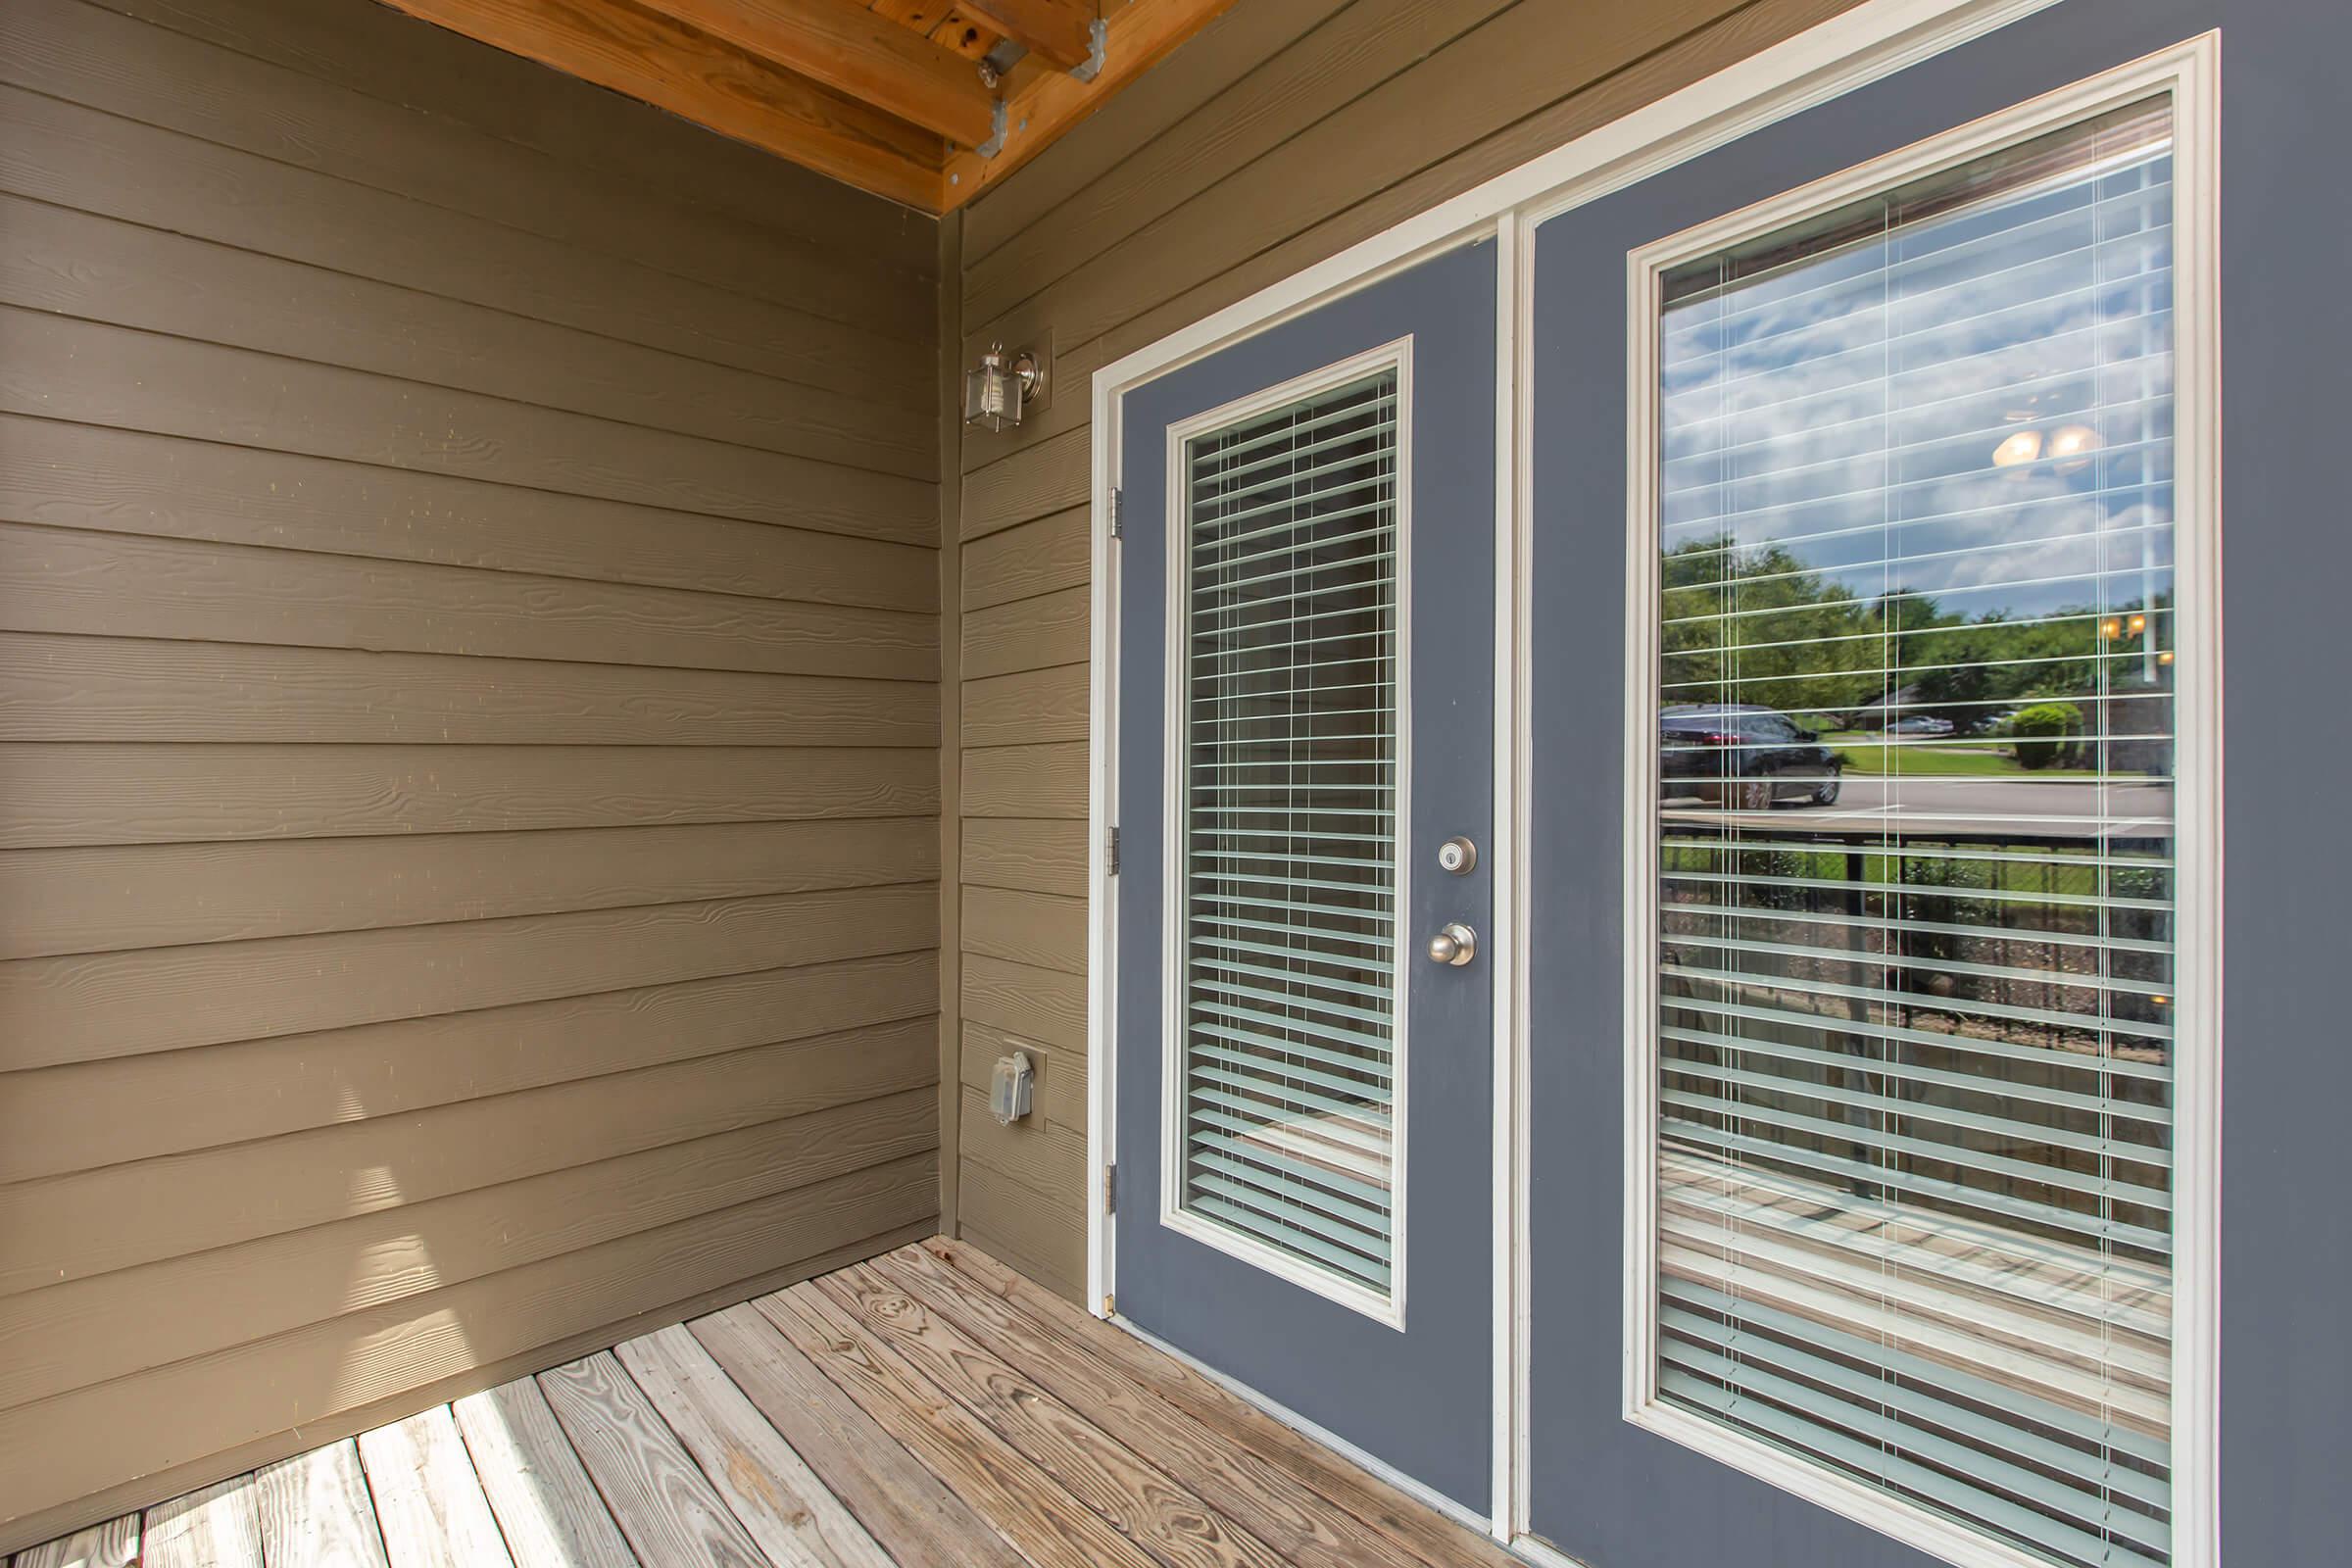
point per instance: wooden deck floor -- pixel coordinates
(929, 1410)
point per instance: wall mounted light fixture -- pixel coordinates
(995, 393)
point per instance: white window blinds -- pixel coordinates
(1289, 785)
(1915, 893)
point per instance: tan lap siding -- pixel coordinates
(470, 860)
(1285, 132)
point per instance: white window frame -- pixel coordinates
(1387, 1307)
(2188, 75)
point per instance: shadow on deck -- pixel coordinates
(928, 1409)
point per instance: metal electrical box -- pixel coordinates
(1010, 1088)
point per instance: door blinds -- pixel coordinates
(1288, 790)
(1915, 1051)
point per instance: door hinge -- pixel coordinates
(1110, 1188)
(1118, 523)
(1111, 850)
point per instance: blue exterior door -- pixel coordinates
(1306, 705)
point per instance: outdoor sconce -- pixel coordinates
(994, 394)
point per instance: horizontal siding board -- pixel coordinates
(1049, 475)
(1032, 708)
(94, 1329)
(257, 1390)
(1047, 1005)
(651, 159)
(185, 1101)
(91, 1007)
(134, 483)
(1040, 1153)
(1038, 928)
(96, 793)
(1039, 1234)
(125, 689)
(1528, 56)
(1031, 634)
(75, 580)
(63, 153)
(1036, 857)
(1285, 95)
(1031, 559)
(89, 55)
(109, 898)
(101, 269)
(1023, 781)
(62, 368)
(99, 1221)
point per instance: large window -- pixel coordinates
(1284, 1082)
(1913, 1047)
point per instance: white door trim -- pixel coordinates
(1872, 42)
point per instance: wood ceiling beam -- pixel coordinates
(1060, 31)
(1045, 103)
(855, 51)
(695, 77)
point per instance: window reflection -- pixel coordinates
(1916, 881)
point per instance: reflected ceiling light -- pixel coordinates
(2072, 445)
(2165, 656)
(2110, 629)
(2023, 447)
(2139, 624)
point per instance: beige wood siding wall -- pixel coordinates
(469, 711)
(1286, 131)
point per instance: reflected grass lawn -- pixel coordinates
(1867, 754)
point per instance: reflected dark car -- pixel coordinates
(1744, 757)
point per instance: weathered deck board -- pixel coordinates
(778, 1498)
(112, 1544)
(909, 1511)
(1140, 1499)
(546, 1506)
(1033, 1513)
(427, 1499)
(219, 1526)
(928, 1410)
(662, 1502)
(316, 1512)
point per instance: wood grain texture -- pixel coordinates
(136, 484)
(909, 1511)
(1019, 781)
(112, 1544)
(97, 1006)
(770, 1490)
(428, 1500)
(85, 1329)
(1035, 857)
(1032, 634)
(186, 1100)
(1275, 1505)
(1049, 475)
(218, 1527)
(1043, 1153)
(404, 107)
(115, 793)
(663, 1503)
(1049, 1525)
(1037, 928)
(1427, 1535)
(258, 1392)
(101, 583)
(1047, 1005)
(316, 1511)
(95, 1221)
(1034, 708)
(1028, 559)
(546, 1507)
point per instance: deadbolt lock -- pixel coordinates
(1458, 856)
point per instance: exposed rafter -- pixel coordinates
(926, 102)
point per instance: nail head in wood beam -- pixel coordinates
(1061, 30)
(852, 50)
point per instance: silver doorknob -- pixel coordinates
(1456, 944)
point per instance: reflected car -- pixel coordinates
(1919, 724)
(1744, 757)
